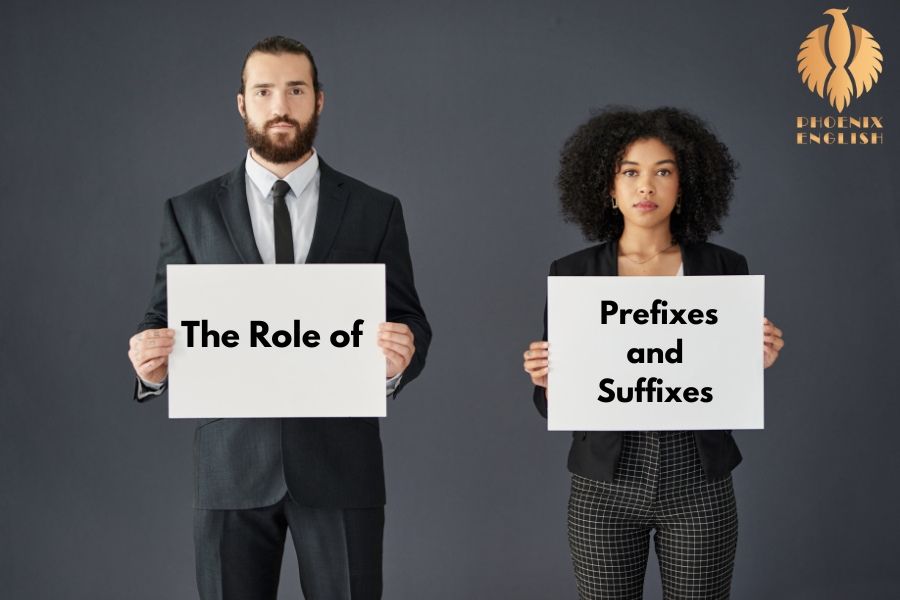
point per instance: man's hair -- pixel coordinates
(278, 44)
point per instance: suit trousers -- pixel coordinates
(239, 552)
(659, 484)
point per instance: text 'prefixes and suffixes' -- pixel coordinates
(650, 389)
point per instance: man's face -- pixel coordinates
(279, 106)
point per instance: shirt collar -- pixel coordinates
(298, 179)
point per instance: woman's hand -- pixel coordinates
(772, 343)
(536, 361)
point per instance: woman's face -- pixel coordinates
(646, 185)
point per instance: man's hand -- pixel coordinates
(149, 353)
(398, 344)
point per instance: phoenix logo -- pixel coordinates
(839, 60)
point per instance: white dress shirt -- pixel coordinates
(302, 204)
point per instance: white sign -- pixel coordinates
(655, 353)
(276, 340)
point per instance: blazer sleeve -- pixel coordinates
(402, 299)
(172, 250)
(540, 393)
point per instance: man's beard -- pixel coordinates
(278, 152)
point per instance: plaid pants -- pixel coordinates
(659, 484)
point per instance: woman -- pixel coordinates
(651, 187)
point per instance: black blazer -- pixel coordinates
(595, 454)
(326, 462)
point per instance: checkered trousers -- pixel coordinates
(659, 485)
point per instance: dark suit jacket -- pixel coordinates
(325, 462)
(595, 454)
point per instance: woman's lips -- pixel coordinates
(646, 205)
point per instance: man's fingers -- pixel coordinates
(157, 342)
(140, 356)
(401, 338)
(539, 373)
(405, 350)
(395, 357)
(395, 328)
(538, 345)
(138, 339)
(151, 365)
(149, 334)
(149, 353)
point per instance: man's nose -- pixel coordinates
(279, 104)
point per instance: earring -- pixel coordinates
(678, 207)
(614, 205)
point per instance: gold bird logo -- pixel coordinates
(839, 60)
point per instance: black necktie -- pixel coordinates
(284, 235)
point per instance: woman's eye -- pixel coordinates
(664, 172)
(629, 172)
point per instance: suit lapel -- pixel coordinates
(232, 201)
(332, 202)
(693, 262)
(608, 260)
(688, 262)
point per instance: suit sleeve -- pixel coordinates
(402, 300)
(540, 393)
(172, 250)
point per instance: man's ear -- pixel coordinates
(320, 101)
(240, 106)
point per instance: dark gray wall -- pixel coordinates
(460, 110)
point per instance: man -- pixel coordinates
(255, 479)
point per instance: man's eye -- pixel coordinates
(296, 91)
(262, 92)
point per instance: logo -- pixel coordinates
(840, 62)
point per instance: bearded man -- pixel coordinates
(256, 479)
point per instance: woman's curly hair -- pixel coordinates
(592, 156)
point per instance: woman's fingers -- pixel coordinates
(536, 357)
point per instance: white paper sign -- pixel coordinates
(604, 377)
(334, 372)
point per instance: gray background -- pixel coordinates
(460, 110)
